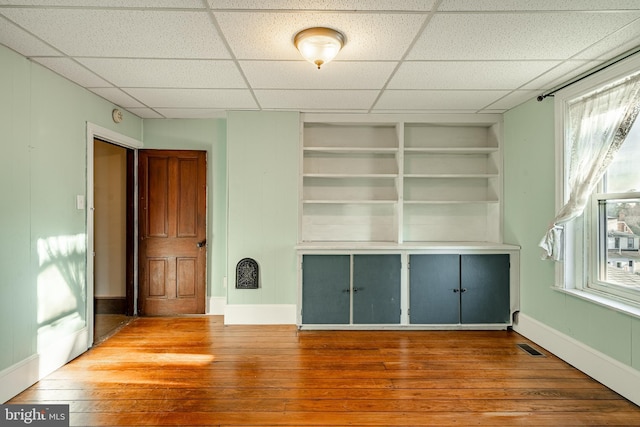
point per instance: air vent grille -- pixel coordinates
(530, 350)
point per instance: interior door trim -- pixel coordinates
(94, 131)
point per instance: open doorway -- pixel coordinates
(114, 236)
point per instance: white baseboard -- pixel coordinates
(19, 377)
(63, 351)
(22, 375)
(260, 314)
(619, 377)
(216, 305)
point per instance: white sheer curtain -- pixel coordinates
(598, 125)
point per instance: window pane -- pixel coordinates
(622, 258)
(623, 174)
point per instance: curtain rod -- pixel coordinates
(586, 74)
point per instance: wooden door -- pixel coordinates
(172, 229)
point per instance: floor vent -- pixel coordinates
(530, 350)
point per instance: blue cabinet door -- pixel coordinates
(434, 284)
(325, 289)
(376, 289)
(485, 282)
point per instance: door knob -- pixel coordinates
(202, 244)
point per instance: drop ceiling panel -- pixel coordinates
(117, 96)
(468, 74)
(498, 5)
(515, 36)
(369, 36)
(183, 4)
(349, 5)
(194, 98)
(436, 100)
(124, 33)
(303, 75)
(22, 42)
(192, 113)
(73, 71)
(559, 74)
(145, 113)
(617, 43)
(311, 100)
(513, 99)
(178, 73)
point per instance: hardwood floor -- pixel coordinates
(194, 371)
(106, 325)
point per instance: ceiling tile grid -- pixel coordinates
(201, 58)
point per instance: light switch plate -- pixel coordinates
(80, 202)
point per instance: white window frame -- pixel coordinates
(594, 218)
(573, 274)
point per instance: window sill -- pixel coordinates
(604, 301)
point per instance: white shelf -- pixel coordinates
(452, 175)
(347, 175)
(349, 202)
(449, 150)
(342, 150)
(450, 202)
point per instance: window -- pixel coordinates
(615, 224)
(596, 233)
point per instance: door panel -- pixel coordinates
(485, 279)
(186, 278)
(434, 281)
(376, 289)
(157, 186)
(187, 197)
(172, 210)
(325, 289)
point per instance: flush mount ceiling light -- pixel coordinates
(319, 45)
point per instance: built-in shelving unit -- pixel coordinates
(401, 181)
(350, 182)
(451, 182)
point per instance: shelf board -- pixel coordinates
(451, 175)
(348, 202)
(364, 150)
(451, 150)
(352, 175)
(449, 202)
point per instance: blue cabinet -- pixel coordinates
(345, 289)
(459, 289)
(326, 289)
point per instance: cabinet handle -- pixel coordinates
(346, 290)
(463, 290)
(455, 291)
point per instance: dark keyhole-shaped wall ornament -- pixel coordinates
(247, 274)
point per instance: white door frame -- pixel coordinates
(95, 131)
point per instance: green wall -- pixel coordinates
(263, 156)
(208, 135)
(529, 194)
(42, 168)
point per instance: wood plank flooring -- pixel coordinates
(194, 371)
